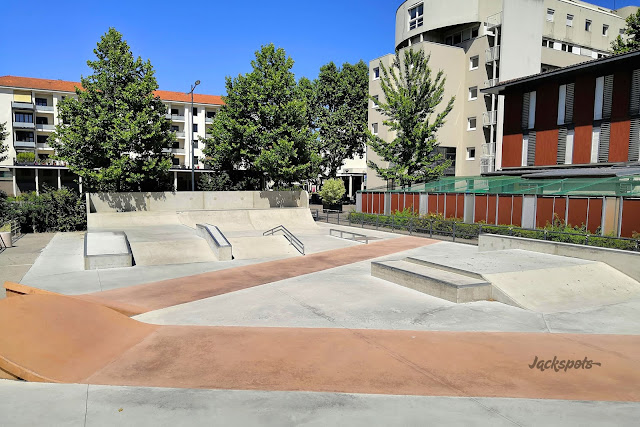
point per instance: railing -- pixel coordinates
(461, 230)
(489, 118)
(490, 82)
(489, 149)
(288, 235)
(15, 235)
(492, 54)
(356, 237)
(494, 20)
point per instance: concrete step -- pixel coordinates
(433, 281)
(442, 267)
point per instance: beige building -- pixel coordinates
(478, 43)
(28, 106)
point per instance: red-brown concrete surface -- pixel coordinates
(154, 296)
(57, 338)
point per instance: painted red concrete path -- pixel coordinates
(154, 296)
(58, 338)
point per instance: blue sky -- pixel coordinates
(189, 40)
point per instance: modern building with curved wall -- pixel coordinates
(478, 43)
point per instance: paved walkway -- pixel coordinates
(17, 260)
(154, 296)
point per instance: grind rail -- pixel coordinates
(295, 242)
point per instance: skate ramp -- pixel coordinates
(122, 220)
(262, 247)
(250, 219)
(170, 252)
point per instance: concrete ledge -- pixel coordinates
(438, 283)
(217, 241)
(623, 261)
(106, 249)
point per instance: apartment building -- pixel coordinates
(478, 44)
(28, 106)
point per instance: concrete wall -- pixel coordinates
(623, 261)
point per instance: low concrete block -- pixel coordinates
(106, 249)
(217, 241)
(438, 283)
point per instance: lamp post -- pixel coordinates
(193, 149)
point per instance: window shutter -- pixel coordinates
(634, 139)
(562, 145)
(568, 106)
(525, 110)
(608, 96)
(603, 144)
(531, 148)
(634, 104)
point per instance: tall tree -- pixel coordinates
(3, 148)
(632, 33)
(340, 110)
(411, 97)
(263, 127)
(114, 134)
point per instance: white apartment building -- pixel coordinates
(28, 106)
(478, 43)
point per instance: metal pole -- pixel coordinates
(193, 180)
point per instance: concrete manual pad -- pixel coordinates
(172, 252)
(106, 243)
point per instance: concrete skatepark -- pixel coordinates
(315, 337)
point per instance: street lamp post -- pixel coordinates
(193, 149)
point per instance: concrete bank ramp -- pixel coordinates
(121, 220)
(168, 252)
(250, 219)
(536, 281)
(262, 247)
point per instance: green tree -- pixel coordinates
(114, 134)
(263, 128)
(632, 33)
(340, 109)
(411, 98)
(3, 136)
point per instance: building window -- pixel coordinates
(42, 139)
(42, 121)
(471, 123)
(195, 127)
(174, 128)
(374, 128)
(211, 114)
(564, 47)
(587, 25)
(605, 30)
(550, 13)
(41, 102)
(24, 117)
(473, 62)
(376, 73)
(175, 161)
(195, 160)
(174, 112)
(471, 153)
(473, 93)
(457, 38)
(622, 31)
(449, 40)
(24, 136)
(375, 102)
(551, 44)
(416, 17)
(195, 111)
(474, 32)
(569, 20)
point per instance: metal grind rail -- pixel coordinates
(295, 242)
(356, 237)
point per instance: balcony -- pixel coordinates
(24, 125)
(45, 128)
(178, 151)
(208, 120)
(490, 83)
(43, 146)
(494, 20)
(492, 54)
(487, 164)
(22, 105)
(44, 109)
(489, 149)
(179, 135)
(30, 145)
(175, 118)
(489, 118)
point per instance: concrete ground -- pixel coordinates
(16, 261)
(342, 297)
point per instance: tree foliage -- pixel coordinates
(632, 33)
(114, 134)
(339, 108)
(332, 190)
(411, 97)
(263, 128)
(3, 135)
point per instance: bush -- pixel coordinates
(26, 157)
(53, 210)
(332, 191)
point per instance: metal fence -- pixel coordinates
(456, 230)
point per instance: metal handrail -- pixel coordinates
(295, 242)
(356, 237)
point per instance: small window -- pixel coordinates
(211, 114)
(551, 44)
(471, 153)
(174, 128)
(195, 111)
(473, 93)
(195, 160)
(587, 25)
(622, 31)
(569, 20)
(457, 38)
(376, 73)
(42, 121)
(175, 161)
(564, 47)
(174, 111)
(374, 128)
(416, 17)
(474, 32)
(605, 30)
(195, 127)
(42, 139)
(550, 13)
(545, 43)
(375, 101)
(471, 123)
(41, 102)
(473, 62)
